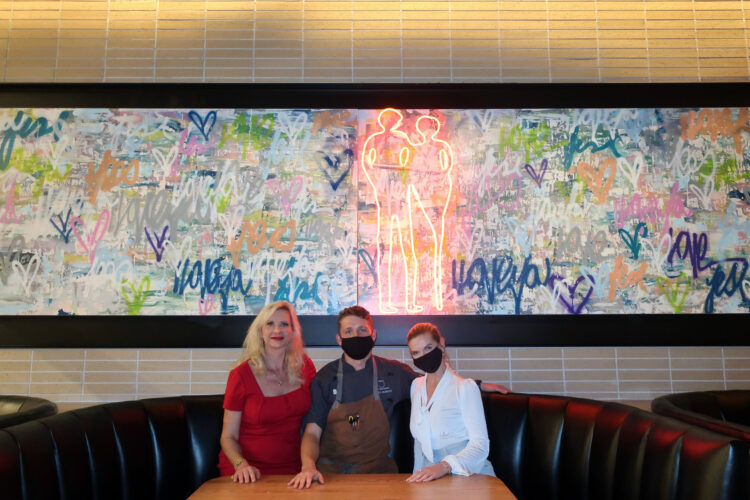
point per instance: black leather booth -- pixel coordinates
(19, 409)
(727, 412)
(543, 447)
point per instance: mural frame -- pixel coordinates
(460, 330)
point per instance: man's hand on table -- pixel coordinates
(306, 477)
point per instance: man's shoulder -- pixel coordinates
(328, 371)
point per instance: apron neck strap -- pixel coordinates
(340, 381)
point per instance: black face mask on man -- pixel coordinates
(430, 362)
(357, 347)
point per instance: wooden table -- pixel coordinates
(359, 487)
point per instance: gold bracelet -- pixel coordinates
(238, 462)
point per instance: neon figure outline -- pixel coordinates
(408, 154)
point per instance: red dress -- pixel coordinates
(270, 426)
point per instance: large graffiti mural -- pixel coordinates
(219, 211)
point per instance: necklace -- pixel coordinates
(276, 376)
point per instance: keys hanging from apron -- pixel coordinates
(356, 437)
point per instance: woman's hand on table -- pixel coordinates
(430, 473)
(245, 473)
(305, 478)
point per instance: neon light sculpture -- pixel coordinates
(390, 156)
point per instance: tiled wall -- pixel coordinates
(355, 41)
(373, 41)
(75, 377)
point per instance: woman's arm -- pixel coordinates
(471, 459)
(230, 433)
(309, 453)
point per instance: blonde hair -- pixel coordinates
(254, 348)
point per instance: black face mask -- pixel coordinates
(357, 347)
(431, 361)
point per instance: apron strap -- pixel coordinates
(340, 382)
(375, 391)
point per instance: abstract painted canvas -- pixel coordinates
(404, 211)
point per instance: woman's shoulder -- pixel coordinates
(308, 367)
(416, 384)
(463, 384)
(242, 369)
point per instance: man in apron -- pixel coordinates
(347, 428)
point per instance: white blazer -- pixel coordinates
(454, 414)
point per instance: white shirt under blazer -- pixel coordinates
(453, 415)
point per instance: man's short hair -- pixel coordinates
(358, 311)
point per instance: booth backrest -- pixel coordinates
(154, 448)
(547, 447)
(727, 412)
(16, 410)
(542, 447)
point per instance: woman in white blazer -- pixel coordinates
(447, 416)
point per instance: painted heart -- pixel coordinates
(569, 301)
(176, 253)
(524, 236)
(549, 299)
(165, 163)
(62, 228)
(135, 298)
(631, 171)
(90, 239)
(15, 248)
(703, 194)
(331, 291)
(631, 240)
(158, 242)
(330, 168)
(204, 123)
(346, 245)
(482, 119)
(365, 257)
(292, 124)
(594, 178)
(537, 176)
(27, 274)
(675, 290)
(8, 211)
(286, 195)
(231, 223)
(469, 240)
(206, 305)
(686, 162)
(599, 279)
(659, 253)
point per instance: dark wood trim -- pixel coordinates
(506, 95)
(490, 330)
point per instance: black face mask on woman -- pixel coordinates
(357, 347)
(431, 361)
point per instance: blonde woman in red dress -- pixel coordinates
(268, 393)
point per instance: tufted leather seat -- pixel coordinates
(548, 447)
(543, 447)
(19, 409)
(727, 412)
